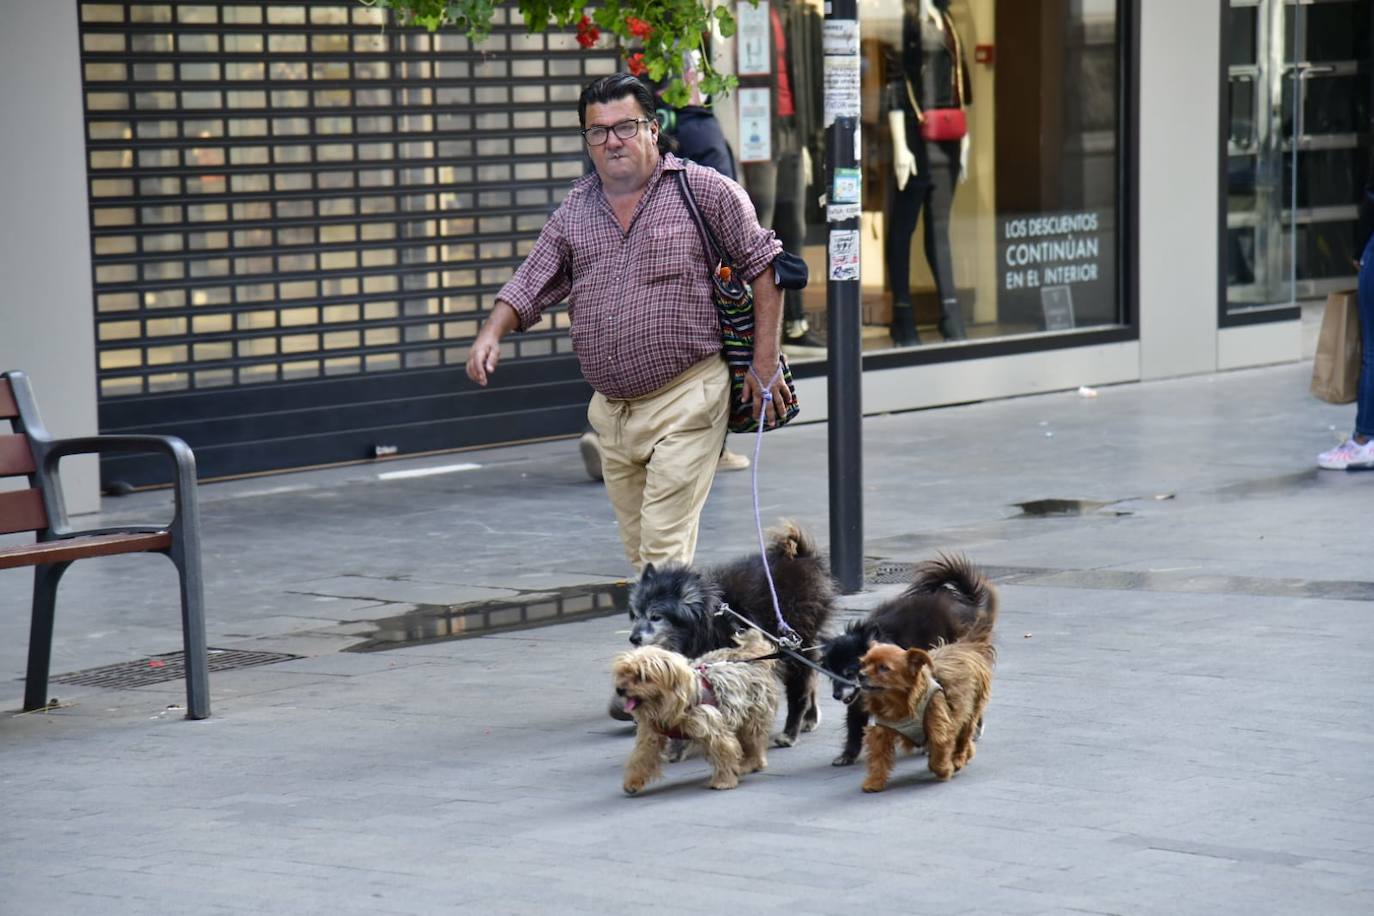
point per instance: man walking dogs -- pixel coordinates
(623, 251)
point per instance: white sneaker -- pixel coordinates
(590, 447)
(732, 461)
(1349, 455)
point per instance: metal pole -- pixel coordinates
(841, 75)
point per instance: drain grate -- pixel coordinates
(429, 624)
(162, 668)
(890, 573)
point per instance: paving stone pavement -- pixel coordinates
(1180, 719)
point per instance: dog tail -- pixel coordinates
(789, 540)
(957, 575)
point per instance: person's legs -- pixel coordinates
(1364, 396)
(622, 468)
(689, 423)
(659, 456)
(1358, 451)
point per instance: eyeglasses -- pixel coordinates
(596, 136)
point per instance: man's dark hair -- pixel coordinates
(606, 89)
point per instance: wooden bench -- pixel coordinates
(28, 451)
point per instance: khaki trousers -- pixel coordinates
(658, 458)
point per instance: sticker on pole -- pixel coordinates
(841, 75)
(844, 254)
(840, 36)
(843, 202)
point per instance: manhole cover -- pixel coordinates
(162, 668)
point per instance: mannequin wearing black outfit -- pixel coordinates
(930, 73)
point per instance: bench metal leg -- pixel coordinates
(187, 561)
(45, 579)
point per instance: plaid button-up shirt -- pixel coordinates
(639, 301)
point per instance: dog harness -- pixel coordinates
(913, 728)
(706, 697)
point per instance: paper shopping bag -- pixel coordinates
(1336, 369)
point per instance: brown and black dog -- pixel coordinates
(934, 698)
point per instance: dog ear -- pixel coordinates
(915, 658)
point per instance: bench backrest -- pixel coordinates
(20, 510)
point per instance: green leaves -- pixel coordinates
(655, 37)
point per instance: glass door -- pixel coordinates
(1258, 269)
(1298, 122)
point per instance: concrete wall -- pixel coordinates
(46, 326)
(1179, 112)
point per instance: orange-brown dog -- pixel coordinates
(934, 698)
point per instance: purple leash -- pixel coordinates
(785, 633)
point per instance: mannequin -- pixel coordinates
(929, 72)
(778, 187)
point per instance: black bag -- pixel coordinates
(790, 271)
(735, 308)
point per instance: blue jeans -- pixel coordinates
(1364, 393)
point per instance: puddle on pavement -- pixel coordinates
(1064, 508)
(431, 623)
(1246, 489)
(1268, 486)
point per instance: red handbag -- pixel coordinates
(944, 124)
(939, 124)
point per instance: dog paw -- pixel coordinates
(844, 760)
(811, 722)
(784, 740)
(874, 785)
(722, 784)
(632, 786)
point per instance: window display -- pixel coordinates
(988, 163)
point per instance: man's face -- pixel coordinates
(623, 162)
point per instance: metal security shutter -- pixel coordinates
(300, 215)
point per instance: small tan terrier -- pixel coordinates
(724, 700)
(934, 698)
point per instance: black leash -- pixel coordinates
(787, 646)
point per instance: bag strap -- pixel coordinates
(730, 284)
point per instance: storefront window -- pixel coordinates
(989, 203)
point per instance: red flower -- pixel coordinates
(635, 62)
(587, 33)
(639, 28)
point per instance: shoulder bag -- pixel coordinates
(735, 308)
(940, 125)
